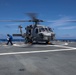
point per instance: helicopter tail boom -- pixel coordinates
(17, 34)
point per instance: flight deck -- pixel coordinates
(26, 59)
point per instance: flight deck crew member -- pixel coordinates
(9, 39)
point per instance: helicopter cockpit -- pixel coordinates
(47, 29)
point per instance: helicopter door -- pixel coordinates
(36, 32)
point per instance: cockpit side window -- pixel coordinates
(50, 29)
(39, 30)
(46, 29)
(36, 31)
(42, 29)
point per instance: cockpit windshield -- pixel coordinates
(41, 29)
(45, 29)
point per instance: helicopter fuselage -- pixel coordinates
(40, 33)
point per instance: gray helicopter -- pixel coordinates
(36, 33)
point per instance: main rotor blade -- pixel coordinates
(63, 20)
(14, 20)
(21, 20)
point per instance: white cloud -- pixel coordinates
(70, 27)
(60, 22)
(68, 36)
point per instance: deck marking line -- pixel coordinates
(63, 46)
(43, 46)
(41, 51)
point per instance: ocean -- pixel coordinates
(70, 40)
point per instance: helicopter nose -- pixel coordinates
(41, 35)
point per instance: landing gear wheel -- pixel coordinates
(47, 42)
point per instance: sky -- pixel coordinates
(58, 11)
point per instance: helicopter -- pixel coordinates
(36, 32)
